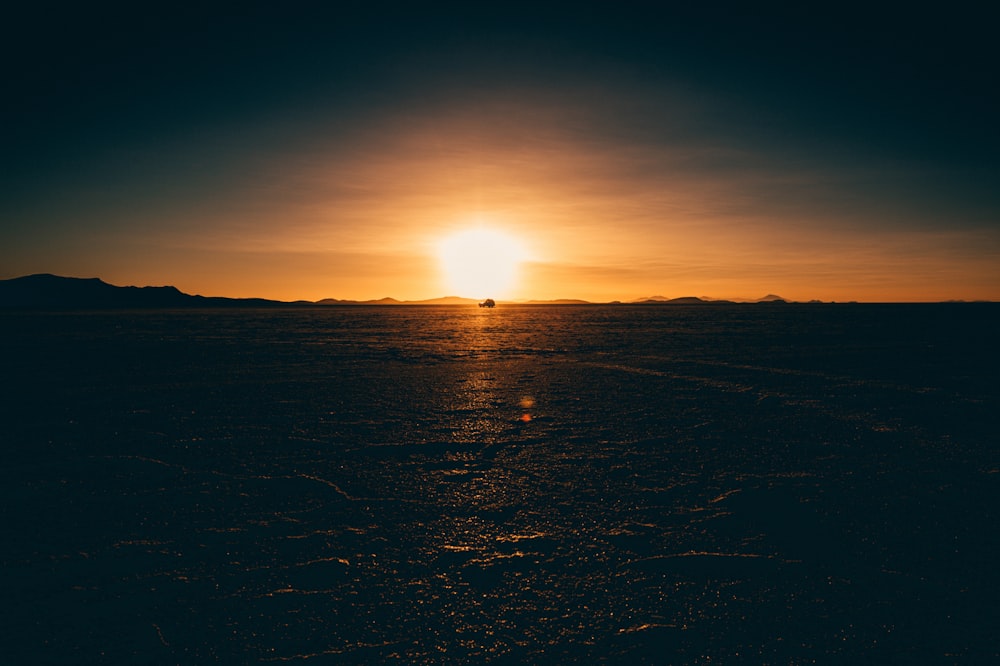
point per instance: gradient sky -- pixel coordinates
(302, 154)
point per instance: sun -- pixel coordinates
(480, 263)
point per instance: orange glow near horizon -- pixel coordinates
(396, 211)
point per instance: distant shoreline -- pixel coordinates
(57, 293)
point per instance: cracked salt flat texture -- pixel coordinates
(789, 484)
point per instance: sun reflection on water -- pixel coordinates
(373, 494)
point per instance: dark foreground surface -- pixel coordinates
(757, 484)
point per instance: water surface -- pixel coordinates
(760, 483)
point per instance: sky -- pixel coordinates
(628, 150)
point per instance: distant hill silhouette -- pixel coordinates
(53, 292)
(683, 300)
(707, 300)
(46, 291)
(444, 300)
(558, 301)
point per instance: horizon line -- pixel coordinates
(466, 300)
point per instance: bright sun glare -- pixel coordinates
(480, 263)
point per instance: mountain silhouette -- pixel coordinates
(53, 292)
(45, 291)
(683, 300)
(444, 300)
